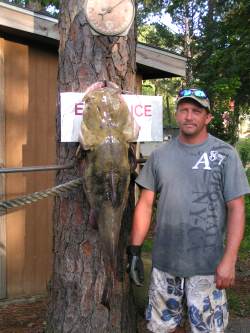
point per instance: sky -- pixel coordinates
(167, 20)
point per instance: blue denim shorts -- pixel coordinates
(172, 298)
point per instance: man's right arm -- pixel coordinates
(142, 217)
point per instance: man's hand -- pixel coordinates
(135, 265)
(225, 273)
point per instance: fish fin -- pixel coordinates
(107, 291)
(80, 153)
(132, 158)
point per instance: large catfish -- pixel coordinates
(106, 128)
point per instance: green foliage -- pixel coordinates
(239, 304)
(147, 8)
(37, 5)
(245, 245)
(167, 89)
(215, 36)
(248, 175)
(147, 246)
(43, 3)
(222, 63)
(243, 147)
(234, 301)
(157, 34)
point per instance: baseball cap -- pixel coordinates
(197, 95)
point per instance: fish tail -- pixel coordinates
(107, 290)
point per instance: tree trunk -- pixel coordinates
(78, 273)
(168, 110)
(187, 52)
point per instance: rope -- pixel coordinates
(36, 196)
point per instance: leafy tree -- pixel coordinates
(187, 15)
(158, 34)
(36, 5)
(222, 64)
(243, 147)
(167, 89)
(215, 37)
(147, 8)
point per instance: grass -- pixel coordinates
(245, 245)
(239, 305)
(147, 246)
(234, 302)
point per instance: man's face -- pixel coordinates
(192, 119)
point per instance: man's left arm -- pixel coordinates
(225, 272)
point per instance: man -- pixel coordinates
(200, 184)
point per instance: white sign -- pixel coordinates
(147, 112)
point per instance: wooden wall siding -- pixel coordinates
(16, 107)
(40, 150)
(30, 104)
(2, 178)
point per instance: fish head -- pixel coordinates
(106, 117)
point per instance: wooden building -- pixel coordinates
(28, 88)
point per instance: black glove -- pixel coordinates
(135, 267)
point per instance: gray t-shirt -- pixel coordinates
(194, 183)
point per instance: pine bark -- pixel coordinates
(78, 273)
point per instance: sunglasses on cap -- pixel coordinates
(192, 92)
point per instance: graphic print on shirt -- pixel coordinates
(205, 232)
(205, 160)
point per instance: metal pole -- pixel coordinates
(48, 167)
(36, 168)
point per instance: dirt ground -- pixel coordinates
(29, 315)
(23, 316)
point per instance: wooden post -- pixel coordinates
(2, 177)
